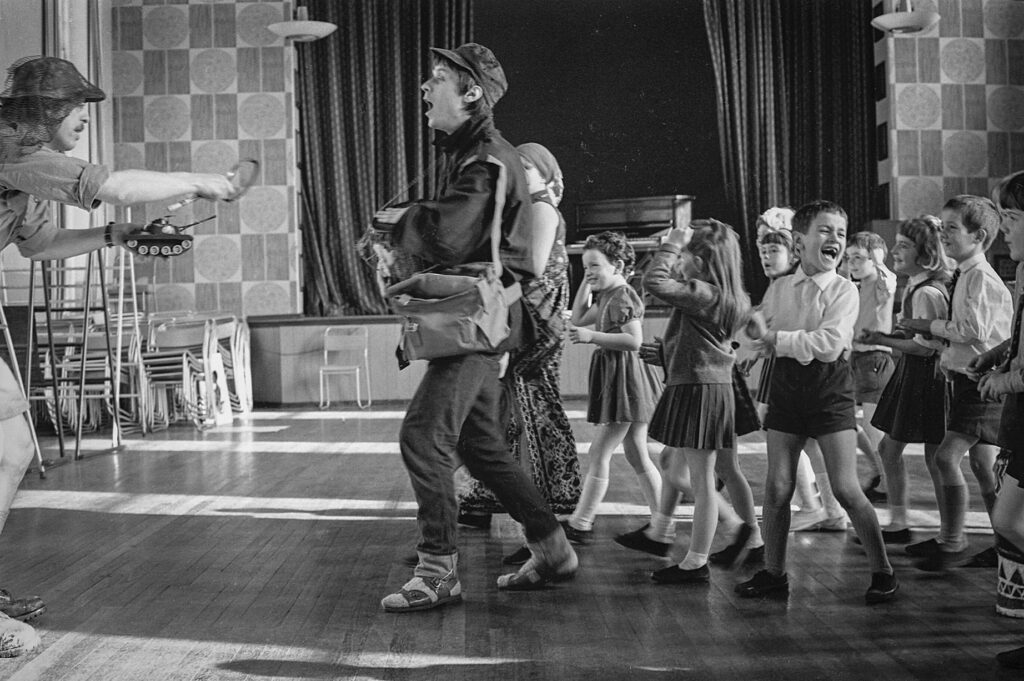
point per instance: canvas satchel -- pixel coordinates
(459, 310)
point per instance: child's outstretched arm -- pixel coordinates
(630, 338)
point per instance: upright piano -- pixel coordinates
(643, 220)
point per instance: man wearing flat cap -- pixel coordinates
(456, 407)
(43, 112)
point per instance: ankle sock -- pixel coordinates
(663, 528)
(693, 560)
(593, 493)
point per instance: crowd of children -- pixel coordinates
(940, 366)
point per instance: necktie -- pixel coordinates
(952, 290)
(1015, 338)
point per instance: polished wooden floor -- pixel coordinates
(261, 550)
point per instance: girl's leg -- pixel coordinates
(783, 452)
(675, 478)
(705, 509)
(728, 469)
(840, 450)
(891, 453)
(805, 496)
(647, 474)
(595, 485)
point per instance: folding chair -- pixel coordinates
(346, 353)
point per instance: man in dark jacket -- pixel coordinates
(456, 407)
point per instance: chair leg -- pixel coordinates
(324, 392)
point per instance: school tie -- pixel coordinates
(1015, 338)
(952, 290)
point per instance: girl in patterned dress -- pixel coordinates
(623, 389)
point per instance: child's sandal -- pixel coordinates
(424, 593)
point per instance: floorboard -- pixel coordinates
(261, 551)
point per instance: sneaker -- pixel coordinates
(922, 549)
(733, 554)
(762, 583)
(582, 537)
(517, 557)
(21, 609)
(803, 520)
(16, 638)
(674, 574)
(424, 593)
(883, 588)
(481, 521)
(639, 541)
(986, 559)
(1011, 659)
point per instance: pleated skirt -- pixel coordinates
(696, 415)
(623, 388)
(912, 407)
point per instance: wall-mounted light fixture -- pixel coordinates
(301, 29)
(905, 20)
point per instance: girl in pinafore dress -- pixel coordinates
(912, 406)
(623, 389)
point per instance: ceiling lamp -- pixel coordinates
(906, 20)
(301, 29)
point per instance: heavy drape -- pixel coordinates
(796, 112)
(363, 140)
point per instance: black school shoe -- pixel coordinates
(923, 549)
(986, 559)
(638, 541)
(1011, 659)
(517, 557)
(733, 554)
(581, 537)
(674, 574)
(763, 583)
(883, 588)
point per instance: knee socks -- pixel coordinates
(692, 560)
(590, 498)
(898, 517)
(951, 533)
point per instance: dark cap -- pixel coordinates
(481, 63)
(49, 77)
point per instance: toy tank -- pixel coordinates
(159, 237)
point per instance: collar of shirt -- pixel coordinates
(820, 279)
(971, 262)
(918, 278)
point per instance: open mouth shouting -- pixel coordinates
(831, 251)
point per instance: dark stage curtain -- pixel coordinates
(796, 110)
(362, 136)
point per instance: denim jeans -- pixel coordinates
(457, 408)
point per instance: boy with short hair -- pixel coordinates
(980, 315)
(872, 365)
(810, 315)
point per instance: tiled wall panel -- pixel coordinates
(957, 103)
(196, 87)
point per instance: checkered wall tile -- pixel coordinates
(956, 115)
(195, 88)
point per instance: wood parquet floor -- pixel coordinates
(261, 551)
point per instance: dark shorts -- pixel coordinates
(971, 415)
(871, 372)
(813, 400)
